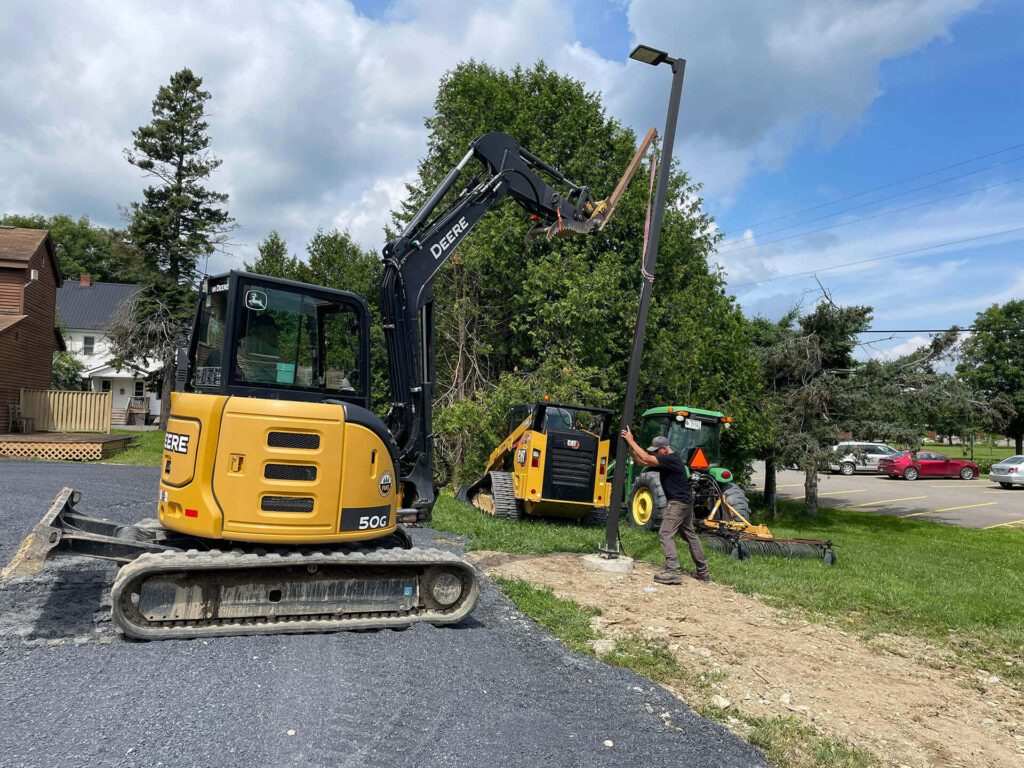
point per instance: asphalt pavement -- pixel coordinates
(977, 503)
(495, 690)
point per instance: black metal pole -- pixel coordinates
(650, 258)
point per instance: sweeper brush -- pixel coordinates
(727, 529)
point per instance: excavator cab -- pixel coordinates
(257, 336)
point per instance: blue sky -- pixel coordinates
(952, 100)
(789, 104)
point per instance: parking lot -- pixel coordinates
(495, 690)
(978, 503)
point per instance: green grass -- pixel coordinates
(961, 588)
(982, 452)
(786, 742)
(146, 450)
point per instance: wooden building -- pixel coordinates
(29, 277)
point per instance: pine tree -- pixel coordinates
(179, 221)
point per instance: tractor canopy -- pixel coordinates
(687, 428)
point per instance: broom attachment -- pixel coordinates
(727, 530)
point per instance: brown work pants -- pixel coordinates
(678, 518)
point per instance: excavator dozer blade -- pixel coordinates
(65, 530)
(41, 540)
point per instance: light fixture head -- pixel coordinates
(648, 55)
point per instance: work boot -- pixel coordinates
(699, 576)
(669, 577)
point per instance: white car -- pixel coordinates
(1008, 472)
(855, 456)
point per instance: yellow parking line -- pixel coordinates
(829, 493)
(1001, 525)
(888, 501)
(791, 485)
(950, 509)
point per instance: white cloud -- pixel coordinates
(318, 111)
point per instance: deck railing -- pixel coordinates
(57, 410)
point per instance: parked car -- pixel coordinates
(1008, 472)
(850, 457)
(910, 466)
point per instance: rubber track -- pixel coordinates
(506, 504)
(153, 564)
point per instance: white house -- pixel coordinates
(86, 309)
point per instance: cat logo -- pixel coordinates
(385, 484)
(574, 444)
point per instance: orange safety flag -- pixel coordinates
(699, 460)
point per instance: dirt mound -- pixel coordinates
(903, 699)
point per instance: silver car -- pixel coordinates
(850, 457)
(1008, 472)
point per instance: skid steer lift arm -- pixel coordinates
(412, 259)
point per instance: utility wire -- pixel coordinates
(876, 258)
(944, 330)
(883, 186)
(882, 199)
(872, 216)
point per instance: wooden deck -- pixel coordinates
(62, 446)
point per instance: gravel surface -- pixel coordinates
(494, 691)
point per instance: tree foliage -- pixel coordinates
(178, 221)
(517, 322)
(992, 360)
(67, 372)
(81, 246)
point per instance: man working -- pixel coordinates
(678, 517)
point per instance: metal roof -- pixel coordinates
(92, 308)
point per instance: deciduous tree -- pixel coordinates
(992, 360)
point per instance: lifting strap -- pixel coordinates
(647, 221)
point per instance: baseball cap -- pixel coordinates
(658, 442)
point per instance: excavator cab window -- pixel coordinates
(265, 337)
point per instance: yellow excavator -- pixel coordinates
(281, 493)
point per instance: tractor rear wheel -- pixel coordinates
(736, 498)
(647, 502)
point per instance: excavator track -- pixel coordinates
(194, 594)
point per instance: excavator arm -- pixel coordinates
(412, 259)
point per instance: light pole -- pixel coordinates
(654, 57)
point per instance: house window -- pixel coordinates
(88, 342)
(105, 386)
(140, 388)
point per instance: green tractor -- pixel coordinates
(720, 505)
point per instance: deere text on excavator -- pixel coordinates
(281, 493)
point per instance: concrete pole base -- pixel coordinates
(620, 564)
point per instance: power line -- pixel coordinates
(885, 199)
(877, 258)
(872, 216)
(883, 186)
(944, 330)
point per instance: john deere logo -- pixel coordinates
(256, 300)
(574, 444)
(385, 484)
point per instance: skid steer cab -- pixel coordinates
(720, 506)
(553, 463)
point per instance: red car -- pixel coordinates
(926, 464)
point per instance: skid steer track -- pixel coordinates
(195, 594)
